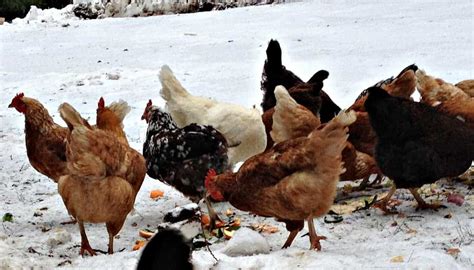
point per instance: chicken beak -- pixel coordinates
(10, 106)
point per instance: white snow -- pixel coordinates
(220, 55)
(59, 237)
(246, 242)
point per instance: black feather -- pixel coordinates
(167, 250)
(416, 144)
(182, 157)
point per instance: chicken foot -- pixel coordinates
(365, 183)
(382, 204)
(85, 246)
(421, 203)
(313, 237)
(212, 215)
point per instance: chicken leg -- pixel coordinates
(291, 237)
(382, 204)
(421, 203)
(212, 215)
(85, 246)
(313, 237)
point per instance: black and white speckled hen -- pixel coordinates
(181, 157)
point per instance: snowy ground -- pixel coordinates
(220, 55)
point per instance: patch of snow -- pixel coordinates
(246, 242)
(59, 237)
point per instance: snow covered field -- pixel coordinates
(221, 55)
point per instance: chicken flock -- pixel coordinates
(294, 153)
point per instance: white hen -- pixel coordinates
(240, 126)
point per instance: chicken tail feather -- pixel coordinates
(346, 118)
(72, 117)
(170, 85)
(120, 109)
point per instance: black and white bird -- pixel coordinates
(181, 157)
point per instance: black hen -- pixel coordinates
(274, 74)
(416, 144)
(167, 250)
(182, 157)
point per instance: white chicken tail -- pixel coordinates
(72, 117)
(170, 85)
(346, 118)
(120, 109)
(283, 98)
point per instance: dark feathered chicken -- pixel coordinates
(274, 74)
(166, 250)
(181, 157)
(417, 145)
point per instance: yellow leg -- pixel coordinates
(313, 237)
(382, 204)
(421, 203)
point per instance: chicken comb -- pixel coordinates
(101, 103)
(19, 95)
(149, 103)
(211, 173)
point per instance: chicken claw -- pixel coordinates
(315, 242)
(313, 237)
(382, 204)
(85, 246)
(88, 248)
(422, 204)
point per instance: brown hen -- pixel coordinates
(104, 176)
(292, 120)
(445, 97)
(111, 117)
(44, 139)
(294, 181)
(467, 86)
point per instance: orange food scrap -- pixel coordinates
(156, 194)
(205, 220)
(145, 234)
(265, 228)
(397, 259)
(453, 251)
(138, 244)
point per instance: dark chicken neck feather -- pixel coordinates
(160, 122)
